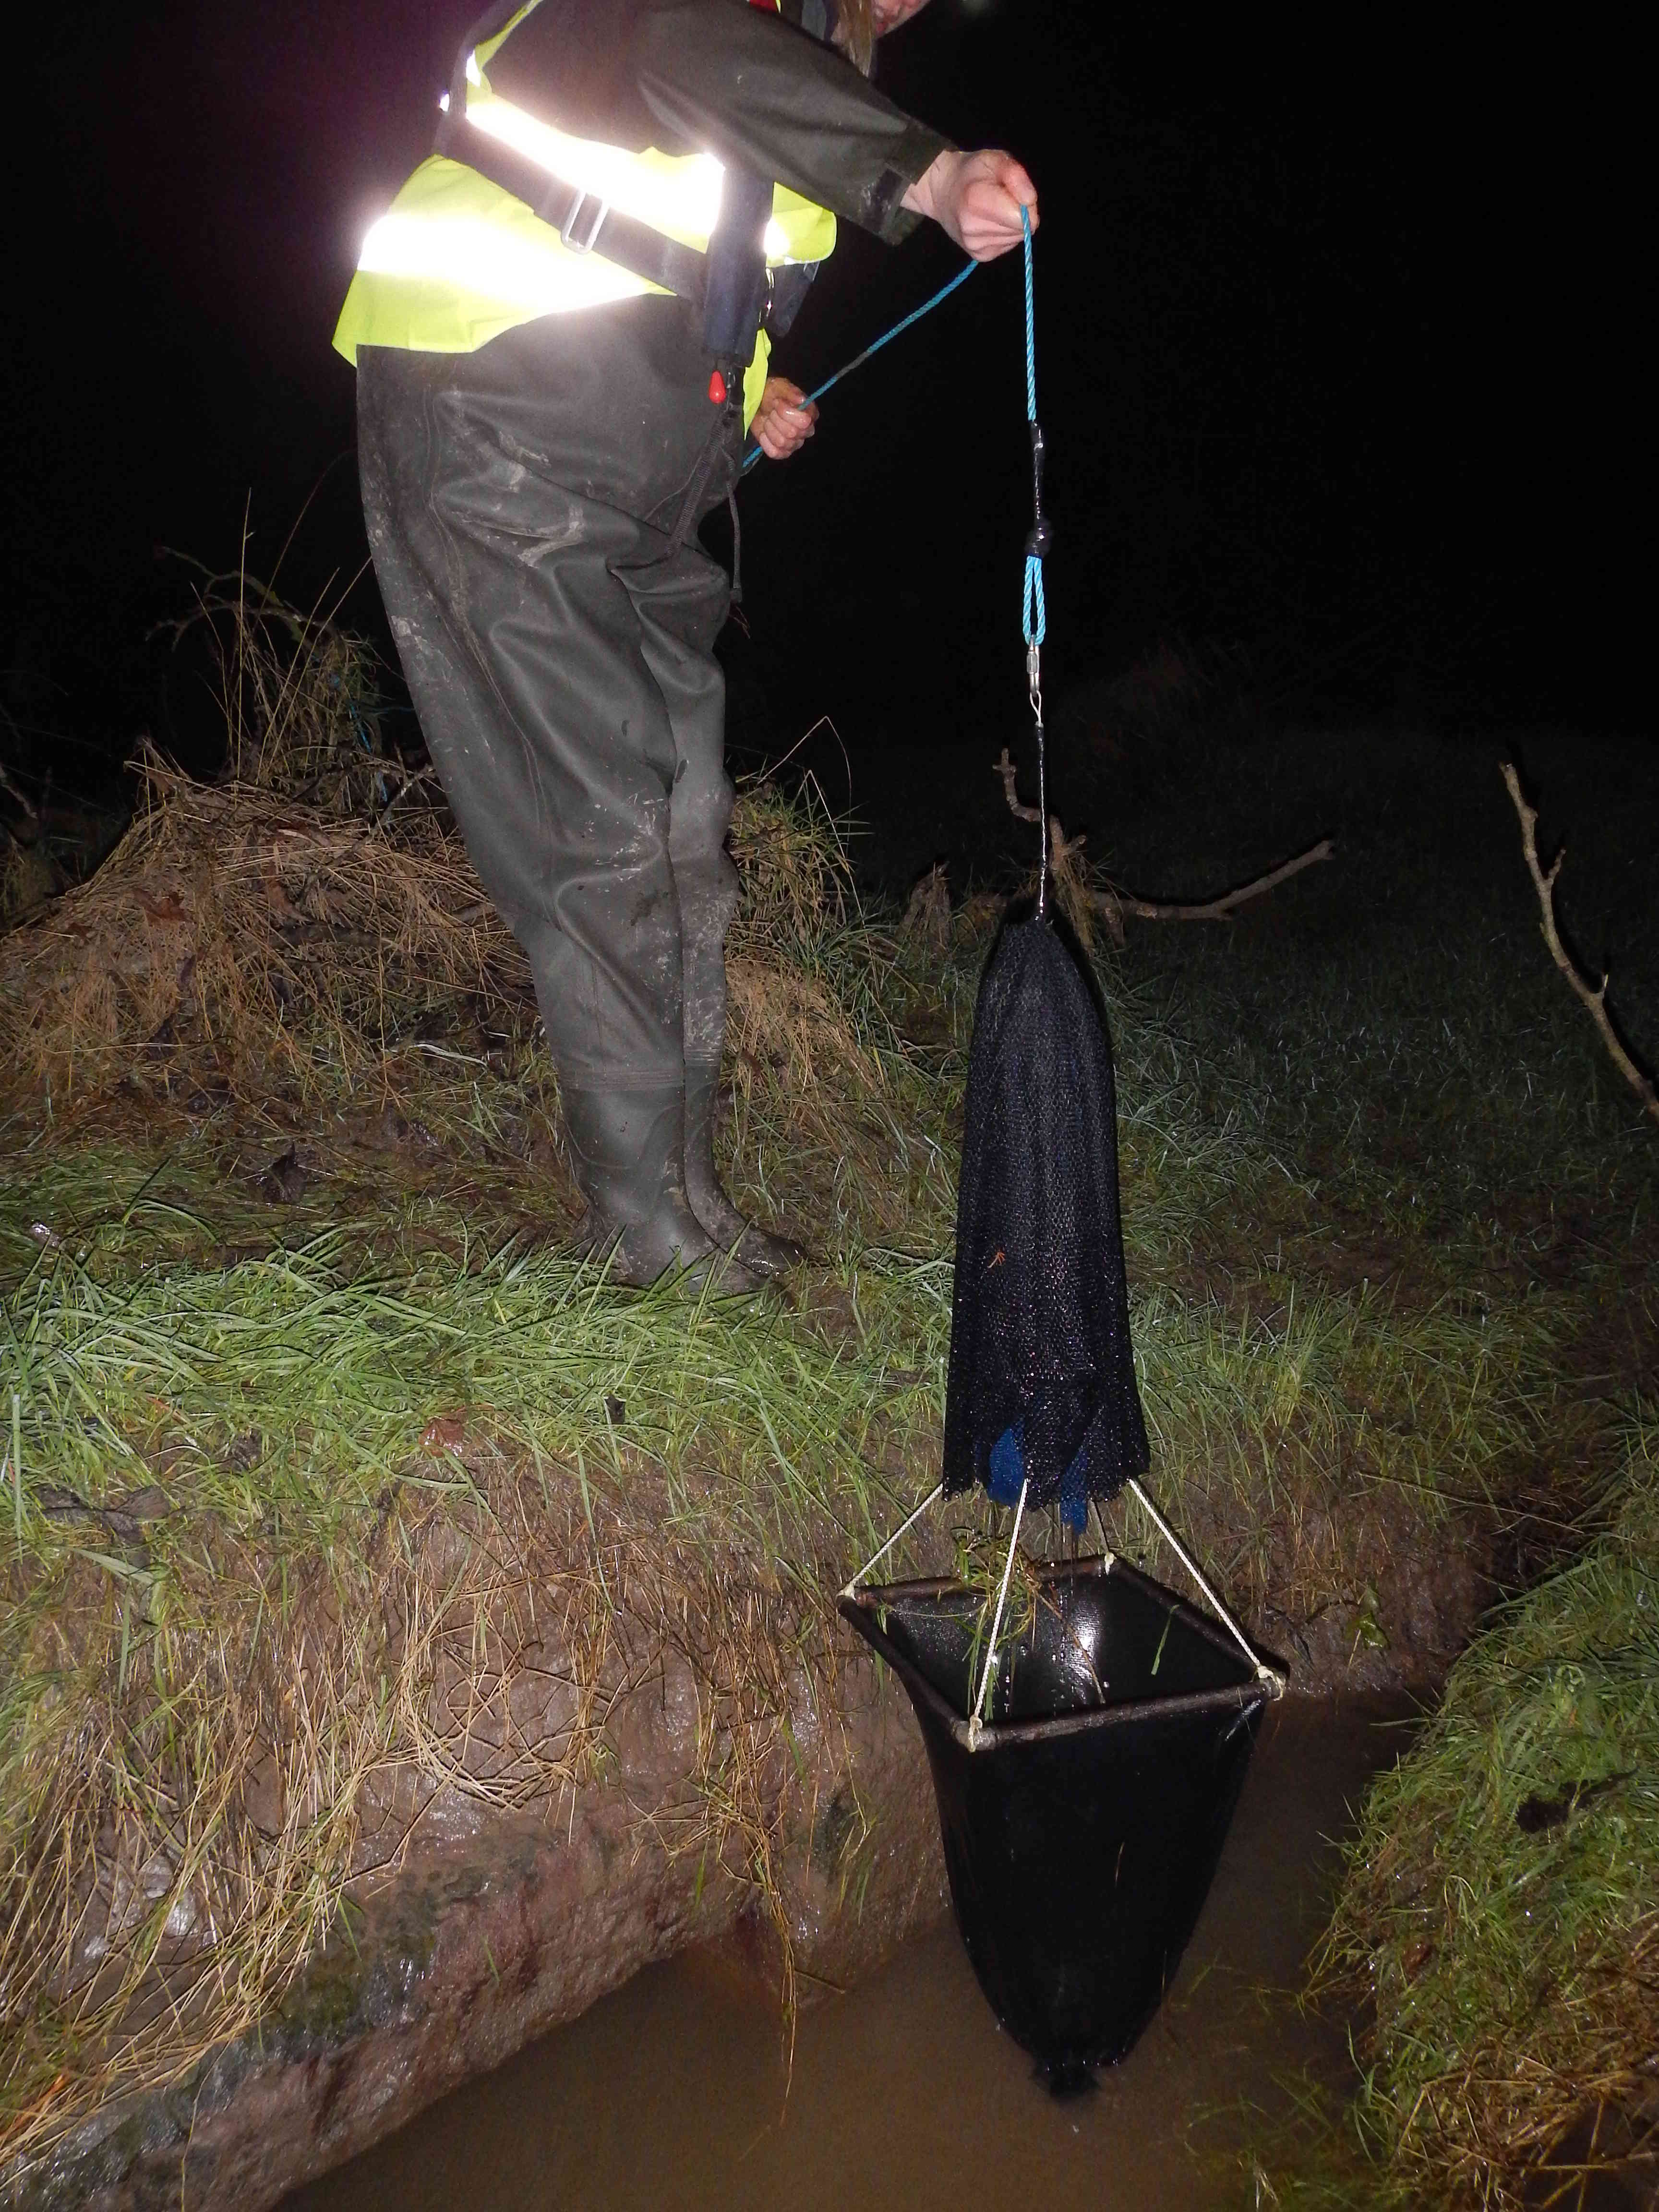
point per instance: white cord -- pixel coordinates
(933, 1494)
(996, 1624)
(1264, 1672)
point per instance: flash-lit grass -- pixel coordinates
(1502, 1906)
(1274, 1428)
(406, 1453)
(309, 1497)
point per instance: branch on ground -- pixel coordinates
(1113, 904)
(1594, 996)
(1218, 910)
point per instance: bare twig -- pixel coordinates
(1004, 769)
(1114, 904)
(412, 781)
(1593, 996)
(1218, 910)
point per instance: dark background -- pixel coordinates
(1337, 357)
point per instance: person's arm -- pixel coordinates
(739, 80)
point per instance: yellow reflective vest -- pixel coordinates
(456, 259)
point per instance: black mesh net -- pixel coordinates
(1041, 1385)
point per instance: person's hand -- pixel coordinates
(976, 198)
(783, 420)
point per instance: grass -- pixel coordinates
(340, 1479)
(1320, 1409)
(1502, 1905)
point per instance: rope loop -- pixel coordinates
(1033, 614)
(1030, 321)
(1034, 619)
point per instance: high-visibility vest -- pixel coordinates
(456, 259)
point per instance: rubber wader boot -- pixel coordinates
(758, 1249)
(629, 1150)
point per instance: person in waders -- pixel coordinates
(561, 329)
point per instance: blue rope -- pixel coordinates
(886, 338)
(1032, 604)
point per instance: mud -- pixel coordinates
(493, 1931)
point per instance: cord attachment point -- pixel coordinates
(1040, 536)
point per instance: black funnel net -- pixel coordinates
(1042, 1384)
(1082, 1824)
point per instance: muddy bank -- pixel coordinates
(678, 2090)
(496, 1927)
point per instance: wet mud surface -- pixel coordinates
(676, 2089)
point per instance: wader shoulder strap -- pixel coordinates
(586, 224)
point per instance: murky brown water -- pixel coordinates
(671, 2095)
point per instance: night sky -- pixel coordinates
(1338, 360)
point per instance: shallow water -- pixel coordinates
(671, 2093)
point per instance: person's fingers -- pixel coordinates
(990, 224)
(780, 431)
(991, 189)
(1017, 179)
(784, 420)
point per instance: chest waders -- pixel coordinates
(558, 649)
(552, 333)
(531, 508)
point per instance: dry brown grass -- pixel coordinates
(265, 943)
(292, 922)
(298, 694)
(270, 940)
(27, 877)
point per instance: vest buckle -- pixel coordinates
(591, 228)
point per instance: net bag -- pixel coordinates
(1041, 1388)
